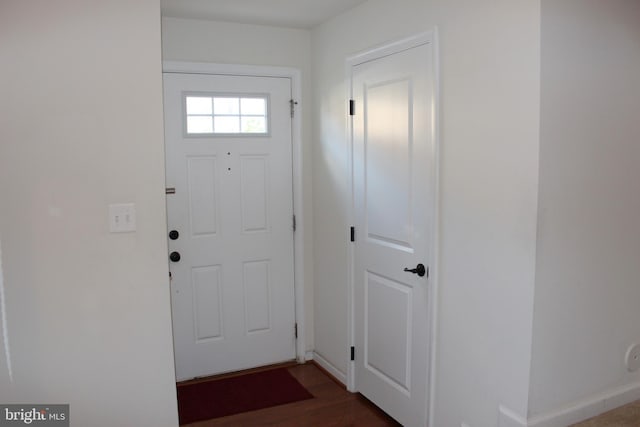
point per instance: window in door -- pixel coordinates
(226, 114)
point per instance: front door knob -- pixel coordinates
(174, 256)
(420, 270)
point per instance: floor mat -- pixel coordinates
(227, 396)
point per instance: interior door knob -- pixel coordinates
(174, 256)
(420, 270)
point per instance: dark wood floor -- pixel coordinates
(332, 406)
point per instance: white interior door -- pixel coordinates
(393, 206)
(228, 157)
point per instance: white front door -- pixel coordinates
(230, 219)
(393, 168)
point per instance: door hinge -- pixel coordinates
(292, 106)
(295, 330)
(353, 353)
(352, 107)
(352, 235)
(295, 225)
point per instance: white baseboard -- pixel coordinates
(326, 365)
(588, 408)
(308, 356)
(508, 418)
(575, 412)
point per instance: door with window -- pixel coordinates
(393, 166)
(230, 221)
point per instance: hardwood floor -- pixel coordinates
(625, 416)
(333, 406)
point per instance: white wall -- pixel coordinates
(587, 275)
(88, 312)
(231, 43)
(489, 54)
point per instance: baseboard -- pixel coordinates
(508, 418)
(588, 408)
(329, 367)
(308, 356)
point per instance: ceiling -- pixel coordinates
(281, 13)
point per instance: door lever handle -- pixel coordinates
(420, 270)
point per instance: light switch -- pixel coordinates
(122, 218)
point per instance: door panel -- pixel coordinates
(393, 208)
(207, 312)
(233, 288)
(387, 339)
(257, 291)
(388, 162)
(203, 206)
(255, 181)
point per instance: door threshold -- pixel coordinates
(216, 377)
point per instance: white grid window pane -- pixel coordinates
(254, 125)
(199, 124)
(226, 106)
(253, 106)
(226, 114)
(199, 105)
(227, 124)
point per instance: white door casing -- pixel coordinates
(233, 288)
(394, 177)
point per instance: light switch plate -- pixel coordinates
(122, 218)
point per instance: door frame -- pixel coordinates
(387, 49)
(182, 67)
